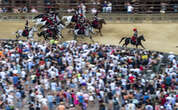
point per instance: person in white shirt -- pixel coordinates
(130, 8)
(33, 10)
(109, 7)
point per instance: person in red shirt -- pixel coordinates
(131, 78)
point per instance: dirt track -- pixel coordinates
(159, 37)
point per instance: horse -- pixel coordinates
(39, 22)
(46, 34)
(129, 40)
(87, 33)
(60, 27)
(70, 19)
(99, 25)
(67, 19)
(30, 34)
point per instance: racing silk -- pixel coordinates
(78, 26)
(55, 18)
(26, 32)
(74, 18)
(95, 22)
(82, 29)
(48, 20)
(133, 38)
(49, 31)
(44, 18)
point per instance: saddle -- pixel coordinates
(25, 33)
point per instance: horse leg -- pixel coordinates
(142, 46)
(75, 37)
(91, 38)
(60, 35)
(45, 37)
(17, 37)
(100, 32)
(136, 46)
(124, 45)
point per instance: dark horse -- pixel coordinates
(99, 25)
(49, 33)
(129, 40)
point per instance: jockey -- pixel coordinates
(75, 17)
(134, 37)
(80, 17)
(49, 30)
(78, 25)
(26, 29)
(95, 21)
(82, 29)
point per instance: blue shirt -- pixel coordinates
(50, 98)
(15, 80)
(80, 99)
(146, 97)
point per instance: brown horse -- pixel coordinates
(99, 25)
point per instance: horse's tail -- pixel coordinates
(122, 39)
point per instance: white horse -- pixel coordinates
(60, 27)
(87, 33)
(30, 34)
(39, 22)
(67, 19)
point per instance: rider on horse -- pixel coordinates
(26, 29)
(95, 21)
(82, 29)
(134, 37)
(80, 25)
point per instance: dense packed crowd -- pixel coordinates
(75, 76)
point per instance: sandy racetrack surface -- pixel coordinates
(159, 37)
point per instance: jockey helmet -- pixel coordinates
(134, 29)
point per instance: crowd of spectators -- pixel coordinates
(74, 76)
(105, 6)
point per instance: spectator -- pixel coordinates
(175, 8)
(33, 10)
(70, 10)
(163, 8)
(4, 10)
(93, 11)
(130, 8)
(15, 10)
(61, 106)
(105, 5)
(109, 7)
(1, 11)
(25, 9)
